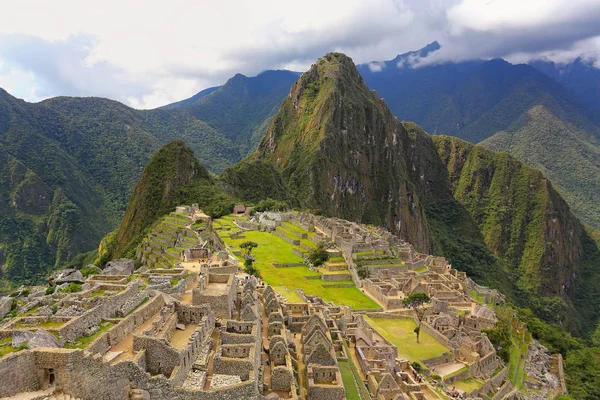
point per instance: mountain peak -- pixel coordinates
(169, 179)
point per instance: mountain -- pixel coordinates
(68, 165)
(336, 148)
(241, 109)
(172, 177)
(506, 107)
(580, 77)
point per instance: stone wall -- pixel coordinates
(160, 357)
(83, 376)
(335, 277)
(117, 333)
(220, 304)
(79, 326)
(19, 369)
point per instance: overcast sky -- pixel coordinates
(150, 53)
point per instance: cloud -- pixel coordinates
(376, 66)
(150, 53)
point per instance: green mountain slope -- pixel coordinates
(337, 148)
(569, 156)
(241, 109)
(172, 177)
(92, 151)
(477, 100)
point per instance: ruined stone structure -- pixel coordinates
(197, 328)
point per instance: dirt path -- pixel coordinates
(126, 345)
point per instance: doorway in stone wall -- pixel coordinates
(51, 377)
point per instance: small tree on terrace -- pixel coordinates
(417, 302)
(318, 256)
(247, 247)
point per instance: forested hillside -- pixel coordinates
(77, 160)
(512, 108)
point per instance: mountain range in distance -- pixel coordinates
(69, 165)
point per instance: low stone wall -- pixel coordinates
(288, 265)
(433, 332)
(335, 277)
(503, 391)
(340, 285)
(432, 362)
(295, 242)
(117, 333)
(182, 285)
(77, 327)
(458, 377)
(232, 269)
(298, 252)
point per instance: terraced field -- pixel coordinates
(161, 248)
(272, 250)
(401, 333)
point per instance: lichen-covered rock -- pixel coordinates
(121, 266)
(66, 276)
(5, 305)
(34, 339)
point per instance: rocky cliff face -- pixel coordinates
(342, 152)
(337, 149)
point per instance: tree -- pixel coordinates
(417, 302)
(250, 269)
(247, 247)
(318, 256)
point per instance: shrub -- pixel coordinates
(72, 288)
(88, 271)
(416, 366)
(318, 256)
(270, 205)
(250, 269)
(363, 272)
(49, 290)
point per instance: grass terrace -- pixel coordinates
(400, 332)
(97, 293)
(468, 385)
(274, 250)
(350, 385)
(83, 341)
(41, 325)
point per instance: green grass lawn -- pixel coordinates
(468, 385)
(272, 249)
(401, 333)
(41, 325)
(352, 392)
(83, 341)
(516, 362)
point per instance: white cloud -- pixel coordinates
(376, 66)
(149, 53)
